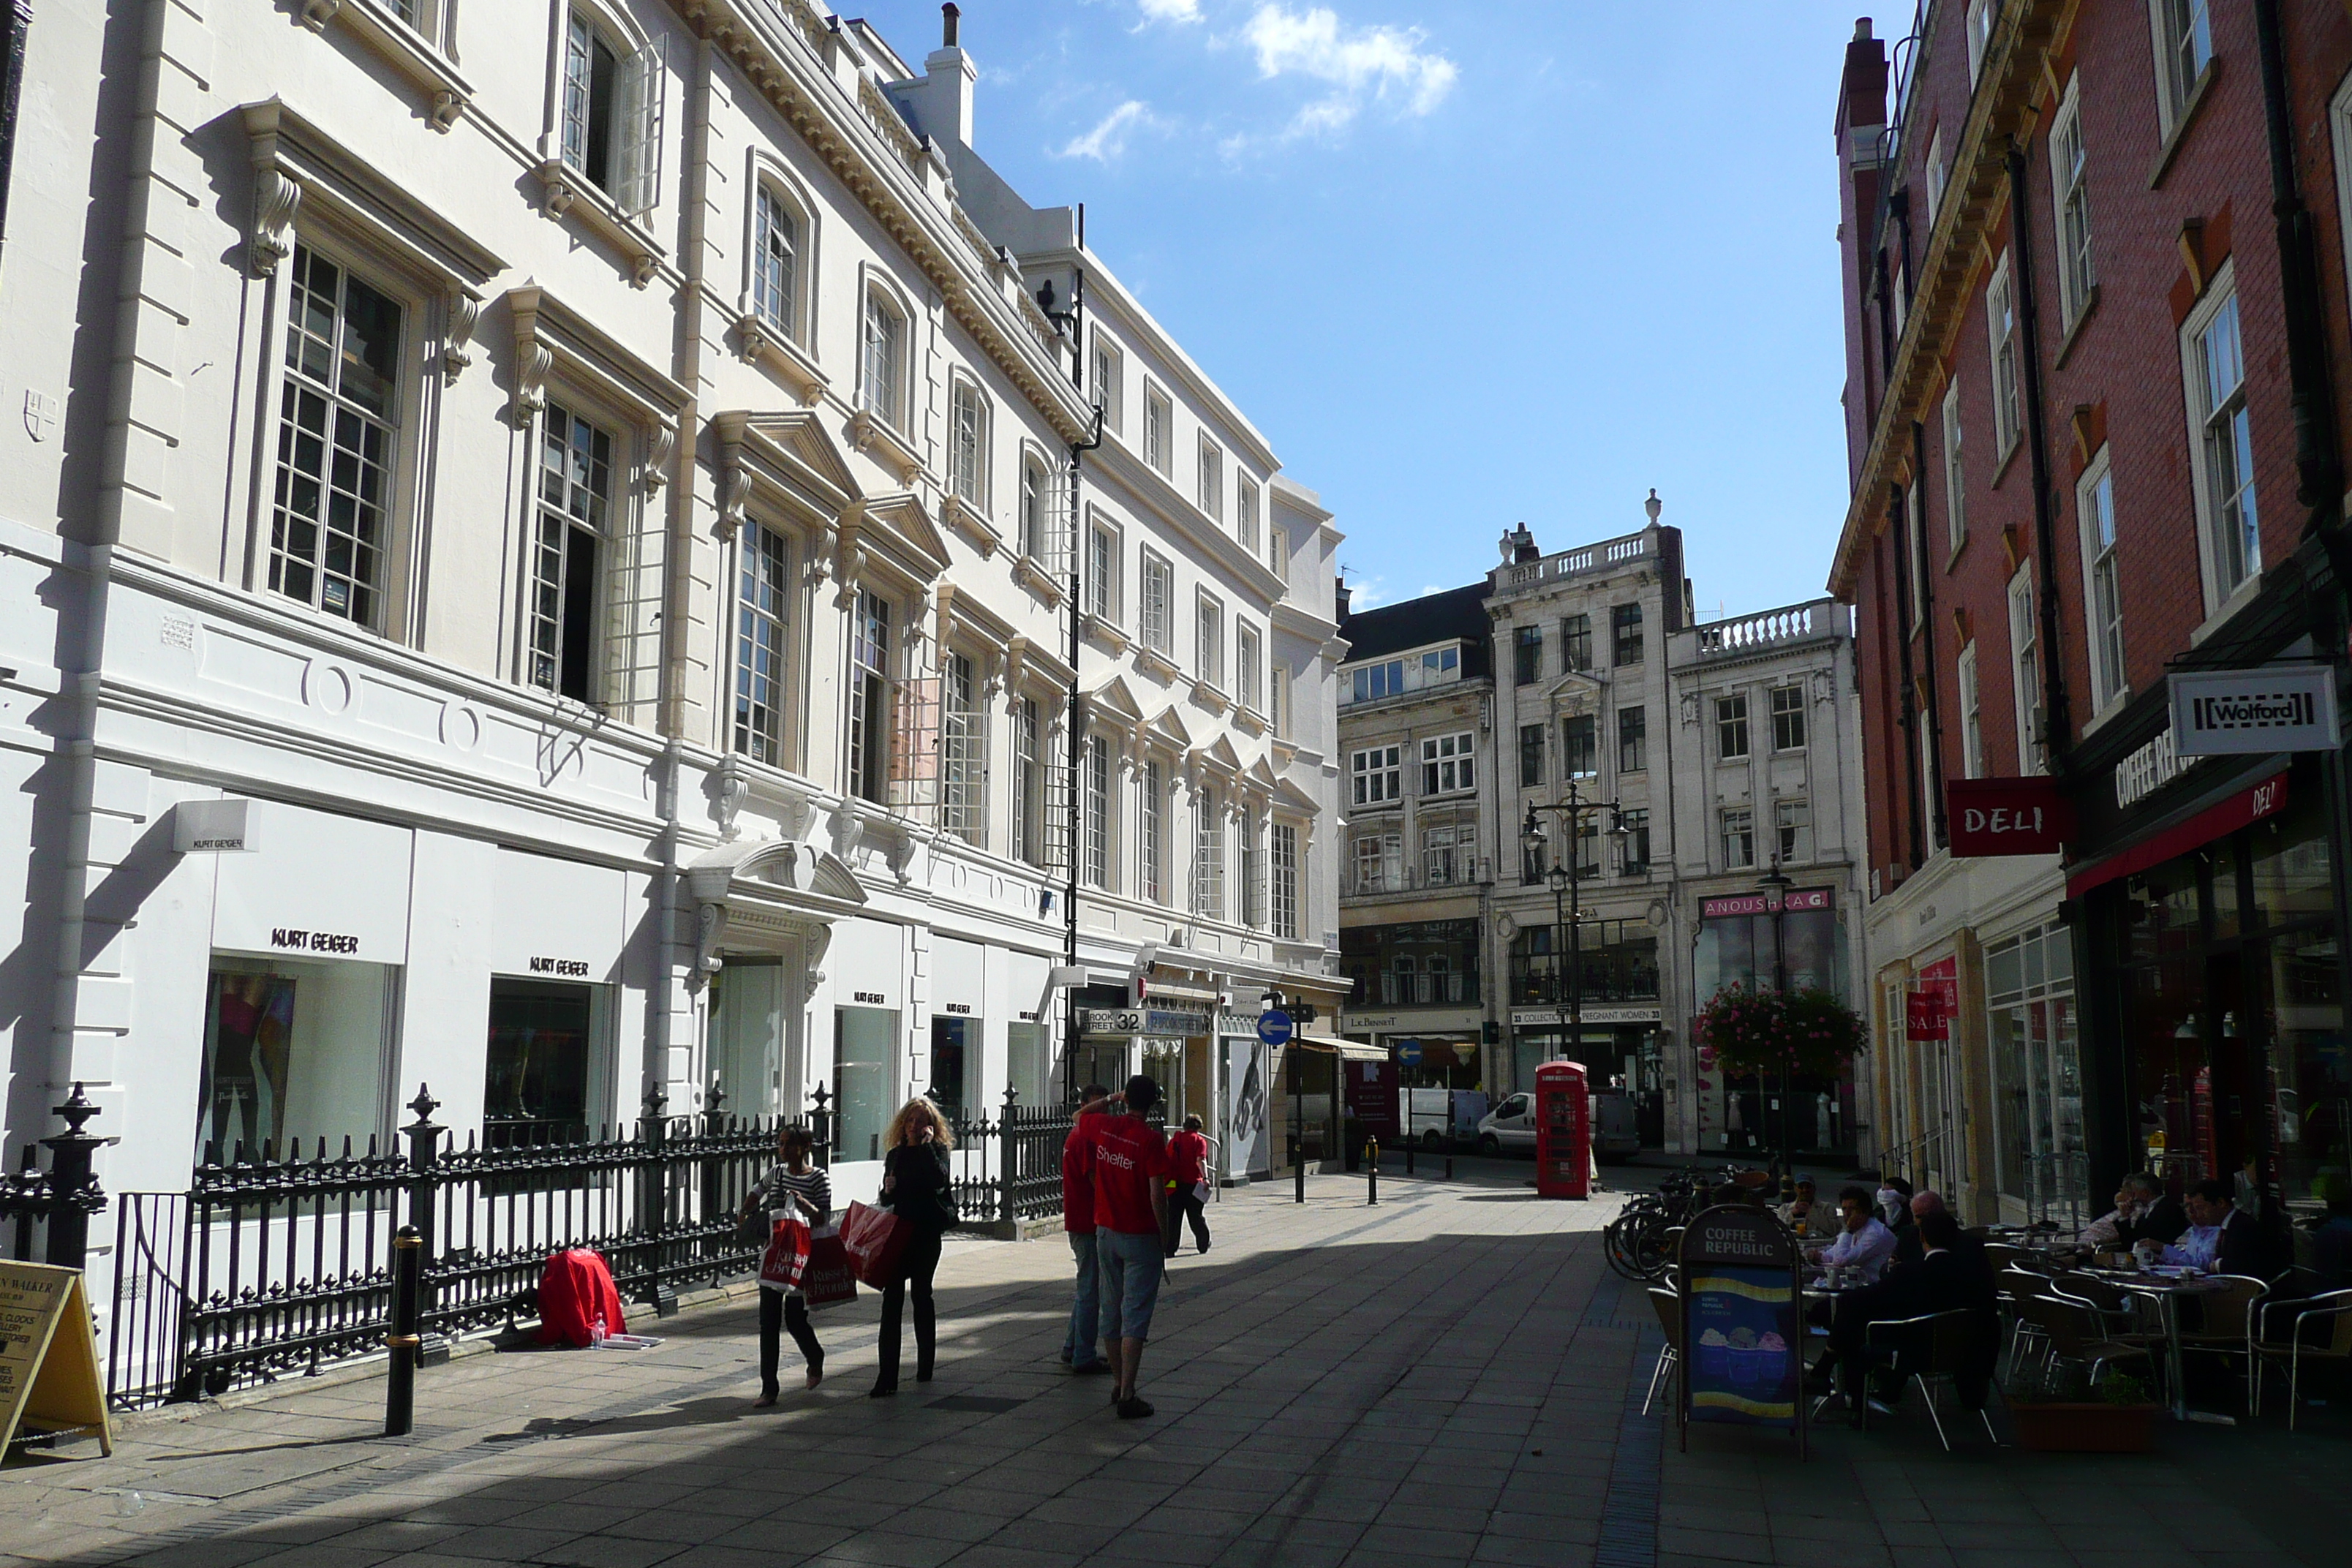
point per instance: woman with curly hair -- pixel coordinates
(915, 1188)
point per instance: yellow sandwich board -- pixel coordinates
(48, 1357)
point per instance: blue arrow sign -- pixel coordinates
(1409, 1052)
(1273, 1028)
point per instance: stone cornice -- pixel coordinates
(804, 73)
(1975, 199)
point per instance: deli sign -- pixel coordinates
(2007, 816)
(2288, 708)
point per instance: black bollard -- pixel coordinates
(1372, 1172)
(1449, 1167)
(1408, 1156)
(400, 1384)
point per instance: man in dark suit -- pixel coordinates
(1949, 1276)
(1909, 1248)
(2161, 1216)
(2222, 1237)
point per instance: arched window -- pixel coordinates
(611, 113)
(968, 445)
(881, 377)
(775, 263)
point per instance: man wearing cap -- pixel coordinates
(1128, 1158)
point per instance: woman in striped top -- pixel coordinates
(794, 1190)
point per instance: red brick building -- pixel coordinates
(2095, 285)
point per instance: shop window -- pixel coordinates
(536, 1088)
(1028, 1063)
(747, 1035)
(2038, 1159)
(293, 1051)
(865, 1039)
(954, 1042)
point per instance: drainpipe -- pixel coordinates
(1909, 718)
(2057, 724)
(1940, 817)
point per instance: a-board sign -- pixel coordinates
(48, 1357)
(1743, 1321)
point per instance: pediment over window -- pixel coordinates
(1170, 729)
(1220, 755)
(1289, 797)
(780, 459)
(897, 525)
(1262, 776)
(1113, 702)
(788, 872)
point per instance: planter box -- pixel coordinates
(2099, 1428)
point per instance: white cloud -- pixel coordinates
(1178, 11)
(1107, 139)
(1379, 64)
(1365, 593)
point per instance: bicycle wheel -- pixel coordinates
(1617, 1242)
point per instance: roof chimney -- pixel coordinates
(942, 98)
(1861, 27)
(949, 16)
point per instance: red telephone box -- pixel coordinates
(1563, 1131)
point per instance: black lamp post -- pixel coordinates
(1272, 1003)
(1776, 884)
(1568, 906)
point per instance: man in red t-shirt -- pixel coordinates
(1187, 1172)
(1079, 1351)
(1129, 1160)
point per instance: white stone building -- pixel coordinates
(539, 555)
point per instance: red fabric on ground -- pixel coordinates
(574, 1292)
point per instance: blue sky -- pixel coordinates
(1465, 265)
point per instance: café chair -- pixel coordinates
(2000, 1254)
(2071, 1331)
(2335, 1306)
(2103, 1297)
(2015, 1285)
(1933, 1352)
(1668, 1304)
(2229, 1324)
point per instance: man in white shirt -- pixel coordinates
(1863, 1243)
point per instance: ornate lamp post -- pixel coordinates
(1776, 884)
(1568, 906)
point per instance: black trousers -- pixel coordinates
(780, 1310)
(1183, 1204)
(920, 1261)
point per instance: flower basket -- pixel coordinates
(2096, 1427)
(1804, 1033)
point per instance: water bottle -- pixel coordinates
(596, 1333)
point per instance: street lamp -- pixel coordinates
(1568, 906)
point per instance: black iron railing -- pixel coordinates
(278, 1262)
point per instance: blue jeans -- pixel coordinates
(1079, 1344)
(1130, 1268)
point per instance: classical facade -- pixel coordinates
(1696, 759)
(579, 569)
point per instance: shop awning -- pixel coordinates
(1162, 991)
(2248, 805)
(1347, 1050)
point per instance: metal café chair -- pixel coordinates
(2013, 1285)
(2336, 1305)
(1668, 1304)
(2229, 1324)
(1933, 1352)
(2071, 1331)
(2104, 1298)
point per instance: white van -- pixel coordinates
(1510, 1125)
(1438, 1119)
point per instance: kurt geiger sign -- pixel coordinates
(2288, 708)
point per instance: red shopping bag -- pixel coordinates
(826, 1277)
(874, 1240)
(787, 1254)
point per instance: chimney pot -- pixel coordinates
(1861, 28)
(949, 15)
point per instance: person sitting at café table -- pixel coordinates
(1949, 1276)
(1910, 1247)
(2111, 1232)
(2162, 1217)
(2222, 1237)
(1798, 1208)
(1863, 1243)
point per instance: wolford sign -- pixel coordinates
(2007, 816)
(2254, 711)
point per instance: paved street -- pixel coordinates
(1453, 1377)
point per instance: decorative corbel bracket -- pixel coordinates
(464, 308)
(813, 948)
(734, 786)
(709, 929)
(317, 14)
(533, 359)
(661, 442)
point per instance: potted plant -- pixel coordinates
(1807, 1032)
(2056, 1409)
